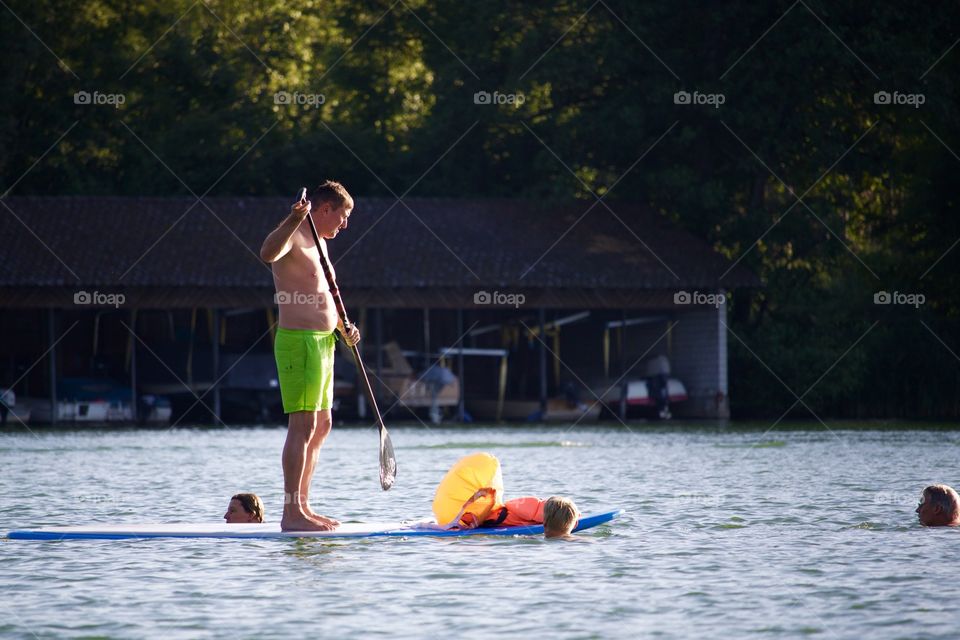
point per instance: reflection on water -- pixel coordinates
(729, 531)
(748, 445)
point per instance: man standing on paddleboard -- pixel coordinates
(305, 342)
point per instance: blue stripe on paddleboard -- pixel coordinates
(41, 534)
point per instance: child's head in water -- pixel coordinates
(244, 508)
(560, 516)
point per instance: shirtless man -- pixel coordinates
(304, 344)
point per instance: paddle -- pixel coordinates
(388, 461)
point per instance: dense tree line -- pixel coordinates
(787, 138)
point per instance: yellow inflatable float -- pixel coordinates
(472, 487)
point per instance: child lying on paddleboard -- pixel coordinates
(471, 496)
(557, 514)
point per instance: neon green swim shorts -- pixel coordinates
(305, 367)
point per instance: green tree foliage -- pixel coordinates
(799, 175)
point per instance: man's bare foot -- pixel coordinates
(324, 520)
(300, 522)
(316, 517)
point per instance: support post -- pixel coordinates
(51, 332)
(426, 339)
(461, 405)
(133, 365)
(625, 384)
(215, 353)
(379, 343)
(543, 365)
(193, 332)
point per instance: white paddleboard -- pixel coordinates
(272, 530)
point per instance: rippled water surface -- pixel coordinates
(729, 532)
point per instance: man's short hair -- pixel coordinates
(944, 496)
(329, 191)
(559, 515)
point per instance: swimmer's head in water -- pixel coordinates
(560, 516)
(244, 508)
(939, 506)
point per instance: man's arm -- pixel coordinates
(280, 240)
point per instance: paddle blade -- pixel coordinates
(388, 461)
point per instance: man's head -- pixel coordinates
(331, 205)
(560, 516)
(244, 508)
(939, 507)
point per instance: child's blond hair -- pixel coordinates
(560, 516)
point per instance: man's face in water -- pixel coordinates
(931, 514)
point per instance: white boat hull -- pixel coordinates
(68, 411)
(638, 395)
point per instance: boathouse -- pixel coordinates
(522, 300)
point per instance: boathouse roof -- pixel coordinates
(419, 252)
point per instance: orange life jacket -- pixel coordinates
(517, 512)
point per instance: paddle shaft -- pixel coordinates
(342, 313)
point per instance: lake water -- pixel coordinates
(729, 532)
